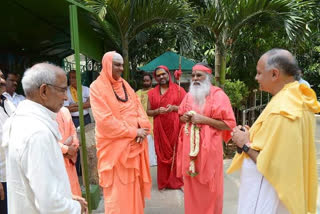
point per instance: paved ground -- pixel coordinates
(171, 201)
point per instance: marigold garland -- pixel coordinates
(194, 145)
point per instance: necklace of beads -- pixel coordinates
(125, 94)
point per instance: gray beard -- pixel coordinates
(200, 92)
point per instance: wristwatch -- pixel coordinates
(245, 148)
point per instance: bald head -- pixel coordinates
(117, 58)
(282, 60)
(117, 66)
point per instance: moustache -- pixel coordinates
(196, 83)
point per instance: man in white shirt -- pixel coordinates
(72, 102)
(36, 175)
(11, 87)
(6, 109)
(72, 105)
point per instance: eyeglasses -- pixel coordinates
(62, 89)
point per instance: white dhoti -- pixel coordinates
(256, 195)
(152, 152)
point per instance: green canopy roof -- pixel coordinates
(171, 60)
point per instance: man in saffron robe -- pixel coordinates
(122, 146)
(143, 96)
(278, 162)
(208, 108)
(69, 146)
(164, 101)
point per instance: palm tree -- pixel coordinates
(225, 19)
(122, 20)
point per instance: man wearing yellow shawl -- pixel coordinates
(143, 96)
(73, 99)
(278, 159)
(72, 105)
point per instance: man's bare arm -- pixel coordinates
(253, 154)
(73, 107)
(201, 119)
(87, 104)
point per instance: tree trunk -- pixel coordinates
(223, 70)
(125, 55)
(220, 66)
(217, 64)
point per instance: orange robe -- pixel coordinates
(204, 192)
(123, 164)
(67, 129)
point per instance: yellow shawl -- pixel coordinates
(143, 96)
(74, 94)
(284, 135)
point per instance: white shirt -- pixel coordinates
(4, 115)
(85, 97)
(37, 180)
(15, 99)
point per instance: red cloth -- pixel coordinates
(201, 68)
(166, 130)
(209, 162)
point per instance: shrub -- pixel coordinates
(237, 92)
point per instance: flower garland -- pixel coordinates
(194, 145)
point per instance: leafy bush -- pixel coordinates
(237, 92)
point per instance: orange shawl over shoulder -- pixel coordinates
(68, 131)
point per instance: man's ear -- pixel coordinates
(43, 91)
(275, 74)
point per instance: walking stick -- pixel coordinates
(177, 75)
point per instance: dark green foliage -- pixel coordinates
(237, 92)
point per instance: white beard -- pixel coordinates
(200, 92)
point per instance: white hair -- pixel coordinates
(200, 92)
(41, 73)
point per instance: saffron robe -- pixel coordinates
(204, 192)
(166, 130)
(123, 164)
(69, 137)
(284, 135)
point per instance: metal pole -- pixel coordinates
(75, 45)
(244, 117)
(253, 113)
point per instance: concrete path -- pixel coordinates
(172, 202)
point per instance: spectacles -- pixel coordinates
(62, 89)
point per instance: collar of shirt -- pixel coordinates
(7, 94)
